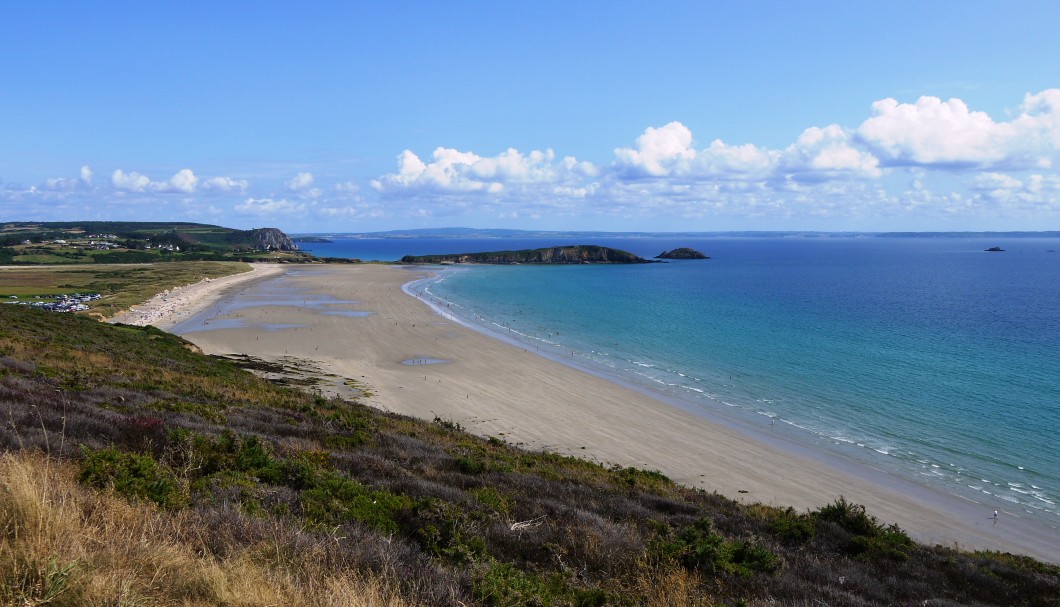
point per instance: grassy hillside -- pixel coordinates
(137, 242)
(140, 472)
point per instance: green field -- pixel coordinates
(121, 285)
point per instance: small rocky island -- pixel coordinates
(578, 254)
(682, 253)
(995, 250)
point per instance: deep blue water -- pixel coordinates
(930, 358)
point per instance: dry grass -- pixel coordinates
(62, 544)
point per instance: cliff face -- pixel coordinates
(272, 239)
(550, 255)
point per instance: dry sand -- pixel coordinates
(496, 389)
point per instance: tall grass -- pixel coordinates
(65, 545)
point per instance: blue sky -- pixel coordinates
(322, 117)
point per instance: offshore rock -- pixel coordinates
(682, 253)
(550, 255)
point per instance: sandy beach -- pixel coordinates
(416, 362)
(172, 306)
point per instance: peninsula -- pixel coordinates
(577, 254)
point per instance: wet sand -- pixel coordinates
(416, 362)
(174, 305)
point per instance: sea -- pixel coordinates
(928, 358)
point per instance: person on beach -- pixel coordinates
(995, 517)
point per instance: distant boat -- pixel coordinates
(995, 250)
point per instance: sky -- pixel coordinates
(325, 117)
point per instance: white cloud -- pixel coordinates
(454, 172)
(352, 212)
(947, 134)
(739, 162)
(660, 151)
(996, 181)
(269, 207)
(825, 153)
(347, 188)
(129, 182)
(225, 184)
(926, 158)
(300, 182)
(184, 181)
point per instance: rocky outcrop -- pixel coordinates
(682, 253)
(272, 239)
(550, 255)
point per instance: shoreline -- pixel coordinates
(755, 425)
(495, 388)
(172, 306)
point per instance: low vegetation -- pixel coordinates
(121, 286)
(137, 472)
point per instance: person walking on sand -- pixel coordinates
(995, 517)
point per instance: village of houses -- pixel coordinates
(73, 302)
(103, 242)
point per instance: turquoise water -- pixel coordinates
(929, 358)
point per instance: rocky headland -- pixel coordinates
(578, 254)
(272, 239)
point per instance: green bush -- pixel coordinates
(851, 517)
(793, 528)
(868, 538)
(493, 499)
(334, 499)
(132, 475)
(449, 530)
(471, 465)
(699, 548)
(502, 585)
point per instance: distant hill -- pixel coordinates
(192, 234)
(133, 242)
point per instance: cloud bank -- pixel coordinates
(920, 160)
(904, 158)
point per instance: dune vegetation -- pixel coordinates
(136, 471)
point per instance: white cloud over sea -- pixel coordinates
(962, 160)
(912, 162)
